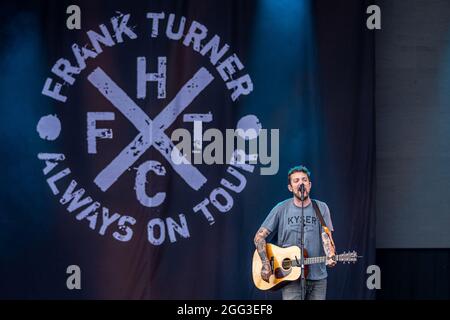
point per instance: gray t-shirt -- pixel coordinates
(284, 219)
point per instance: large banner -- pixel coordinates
(144, 147)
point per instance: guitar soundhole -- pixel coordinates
(286, 264)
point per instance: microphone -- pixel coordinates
(302, 191)
(302, 188)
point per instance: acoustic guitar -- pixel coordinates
(285, 264)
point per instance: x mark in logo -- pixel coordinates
(151, 133)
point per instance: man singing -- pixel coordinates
(285, 219)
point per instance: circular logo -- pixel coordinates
(144, 123)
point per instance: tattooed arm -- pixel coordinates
(260, 243)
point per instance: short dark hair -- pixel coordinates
(299, 169)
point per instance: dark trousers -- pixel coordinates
(315, 290)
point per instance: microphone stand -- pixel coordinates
(302, 248)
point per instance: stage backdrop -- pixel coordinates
(87, 116)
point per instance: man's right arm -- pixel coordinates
(260, 243)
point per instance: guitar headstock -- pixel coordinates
(348, 257)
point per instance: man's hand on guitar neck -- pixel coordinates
(260, 243)
(331, 261)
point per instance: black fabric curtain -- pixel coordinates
(306, 69)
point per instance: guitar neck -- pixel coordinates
(316, 260)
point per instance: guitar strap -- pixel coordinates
(318, 213)
(322, 222)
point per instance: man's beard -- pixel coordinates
(306, 196)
